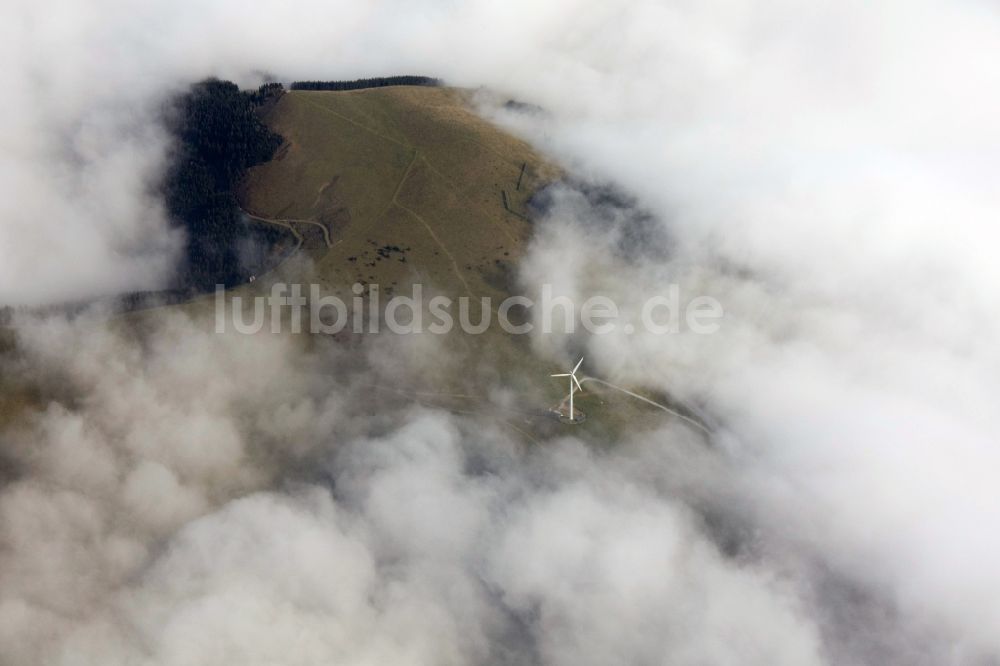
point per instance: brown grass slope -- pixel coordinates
(412, 168)
(410, 185)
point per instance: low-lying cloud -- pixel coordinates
(158, 513)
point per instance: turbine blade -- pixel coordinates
(577, 382)
(565, 374)
(578, 364)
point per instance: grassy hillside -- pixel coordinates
(409, 170)
(407, 184)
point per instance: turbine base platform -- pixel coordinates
(563, 416)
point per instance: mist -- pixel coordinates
(825, 172)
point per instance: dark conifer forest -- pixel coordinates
(218, 136)
(359, 84)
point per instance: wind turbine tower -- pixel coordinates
(574, 384)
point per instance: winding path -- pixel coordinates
(285, 222)
(688, 419)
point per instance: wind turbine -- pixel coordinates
(574, 384)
